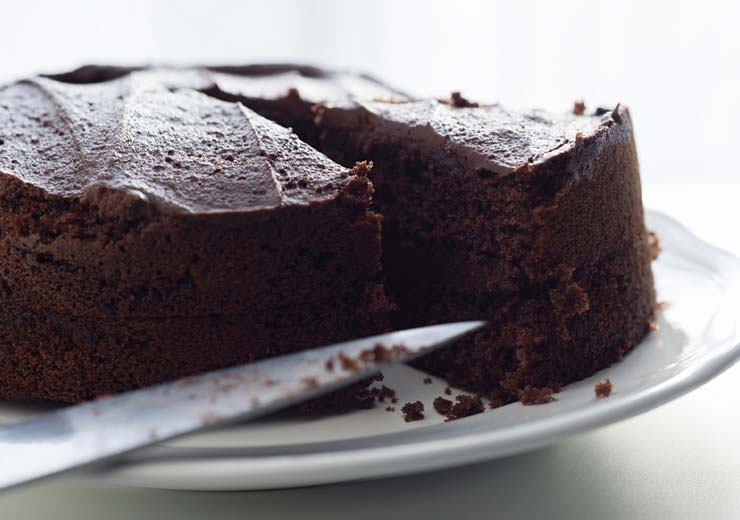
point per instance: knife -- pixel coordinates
(75, 436)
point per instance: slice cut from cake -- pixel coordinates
(532, 221)
(150, 232)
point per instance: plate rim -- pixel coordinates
(211, 471)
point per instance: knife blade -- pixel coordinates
(79, 435)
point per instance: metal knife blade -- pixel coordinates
(71, 437)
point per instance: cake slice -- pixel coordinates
(529, 220)
(148, 232)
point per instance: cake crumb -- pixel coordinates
(413, 411)
(654, 327)
(458, 101)
(466, 406)
(311, 382)
(362, 168)
(329, 365)
(382, 393)
(390, 409)
(348, 363)
(382, 354)
(442, 406)
(428, 381)
(579, 108)
(530, 395)
(448, 391)
(603, 388)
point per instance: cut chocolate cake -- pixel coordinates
(531, 221)
(153, 226)
(147, 233)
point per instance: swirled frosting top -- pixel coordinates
(488, 137)
(259, 81)
(151, 134)
(170, 135)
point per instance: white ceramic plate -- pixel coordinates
(698, 338)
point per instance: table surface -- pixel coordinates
(679, 461)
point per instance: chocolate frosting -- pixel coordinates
(151, 135)
(258, 81)
(164, 134)
(311, 84)
(488, 137)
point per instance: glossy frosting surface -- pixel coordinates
(162, 134)
(263, 81)
(151, 135)
(490, 137)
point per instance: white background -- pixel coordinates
(675, 64)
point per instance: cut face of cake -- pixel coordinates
(530, 220)
(150, 232)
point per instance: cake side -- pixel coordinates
(63, 357)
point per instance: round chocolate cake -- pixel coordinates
(154, 225)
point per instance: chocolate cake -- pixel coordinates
(149, 232)
(529, 220)
(153, 225)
